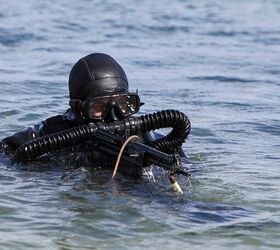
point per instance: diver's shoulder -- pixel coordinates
(62, 122)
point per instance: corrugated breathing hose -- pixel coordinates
(176, 120)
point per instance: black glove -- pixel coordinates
(9, 144)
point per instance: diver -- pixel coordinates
(98, 90)
(99, 93)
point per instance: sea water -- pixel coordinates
(216, 61)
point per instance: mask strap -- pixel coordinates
(76, 104)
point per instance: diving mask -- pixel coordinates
(96, 108)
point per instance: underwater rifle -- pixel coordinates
(137, 152)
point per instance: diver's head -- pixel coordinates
(98, 89)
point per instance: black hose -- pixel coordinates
(178, 121)
(169, 118)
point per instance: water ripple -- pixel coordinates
(222, 79)
(15, 38)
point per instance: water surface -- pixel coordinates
(218, 62)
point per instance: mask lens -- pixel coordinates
(128, 104)
(96, 108)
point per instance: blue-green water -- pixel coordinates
(217, 61)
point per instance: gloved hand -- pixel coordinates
(5, 147)
(9, 144)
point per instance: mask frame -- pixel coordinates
(96, 108)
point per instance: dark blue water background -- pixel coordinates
(217, 61)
